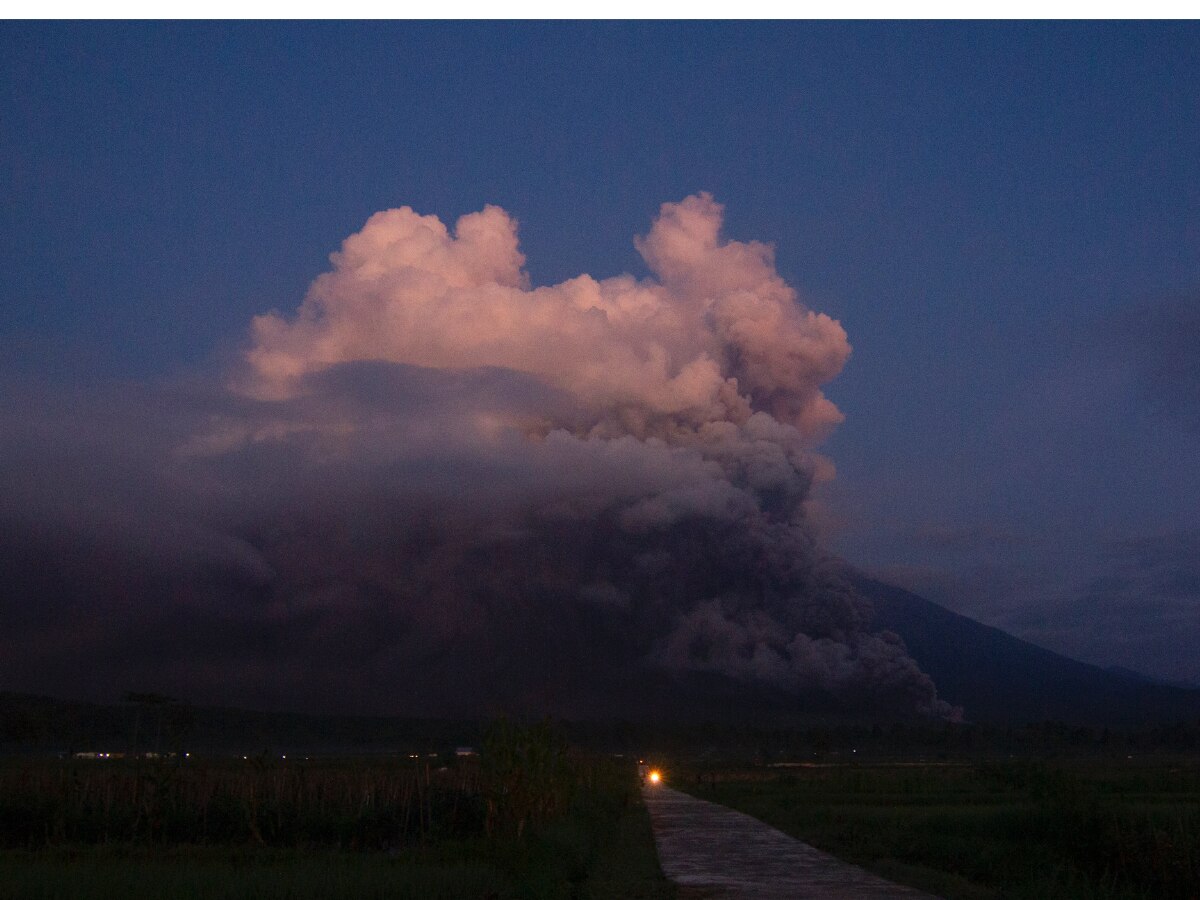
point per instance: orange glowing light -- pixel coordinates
(655, 777)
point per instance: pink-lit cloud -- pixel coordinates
(715, 336)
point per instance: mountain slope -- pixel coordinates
(998, 678)
(995, 677)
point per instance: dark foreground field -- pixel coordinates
(1092, 830)
(528, 818)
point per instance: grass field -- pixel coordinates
(575, 858)
(529, 818)
(1112, 830)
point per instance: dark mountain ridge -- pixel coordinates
(1000, 679)
(995, 678)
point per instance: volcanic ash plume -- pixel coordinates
(435, 488)
(659, 480)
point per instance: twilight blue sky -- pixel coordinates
(1005, 219)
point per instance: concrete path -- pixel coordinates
(711, 851)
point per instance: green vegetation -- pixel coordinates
(207, 873)
(1116, 830)
(529, 818)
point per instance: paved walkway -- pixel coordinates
(711, 851)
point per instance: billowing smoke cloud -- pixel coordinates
(718, 336)
(437, 489)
